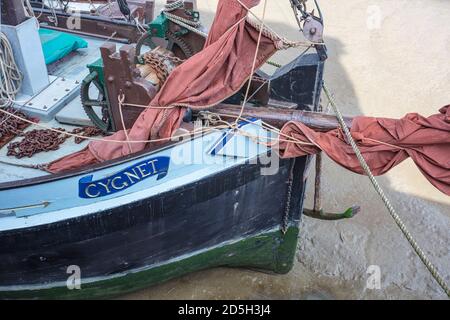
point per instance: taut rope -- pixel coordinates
(423, 257)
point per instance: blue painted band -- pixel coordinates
(123, 179)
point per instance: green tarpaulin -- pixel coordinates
(57, 45)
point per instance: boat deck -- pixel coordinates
(71, 67)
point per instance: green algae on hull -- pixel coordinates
(271, 251)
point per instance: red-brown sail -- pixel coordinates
(384, 143)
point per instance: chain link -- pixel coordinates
(10, 126)
(44, 140)
(287, 210)
(35, 141)
(158, 62)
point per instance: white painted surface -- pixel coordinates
(29, 56)
(13, 173)
(189, 162)
(50, 100)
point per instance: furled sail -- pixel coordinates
(384, 143)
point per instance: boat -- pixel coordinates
(131, 222)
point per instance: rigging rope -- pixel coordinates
(225, 125)
(29, 12)
(247, 91)
(10, 77)
(423, 257)
(54, 18)
(99, 139)
(185, 23)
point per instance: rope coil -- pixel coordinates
(185, 23)
(10, 77)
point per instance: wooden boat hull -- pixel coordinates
(180, 218)
(269, 251)
(145, 219)
(231, 218)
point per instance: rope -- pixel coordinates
(261, 32)
(259, 88)
(247, 91)
(109, 7)
(174, 5)
(216, 117)
(106, 140)
(140, 26)
(277, 65)
(195, 131)
(280, 43)
(185, 23)
(209, 115)
(29, 12)
(182, 22)
(94, 9)
(40, 14)
(121, 99)
(146, 106)
(54, 18)
(431, 268)
(11, 77)
(27, 166)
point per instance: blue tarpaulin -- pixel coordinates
(57, 45)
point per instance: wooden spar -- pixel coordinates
(280, 116)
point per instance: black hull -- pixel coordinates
(236, 217)
(236, 204)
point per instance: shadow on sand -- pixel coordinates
(334, 256)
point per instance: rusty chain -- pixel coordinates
(10, 126)
(35, 141)
(44, 140)
(157, 60)
(87, 132)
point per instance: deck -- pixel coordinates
(72, 67)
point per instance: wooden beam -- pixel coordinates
(279, 116)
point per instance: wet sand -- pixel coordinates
(386, 58)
